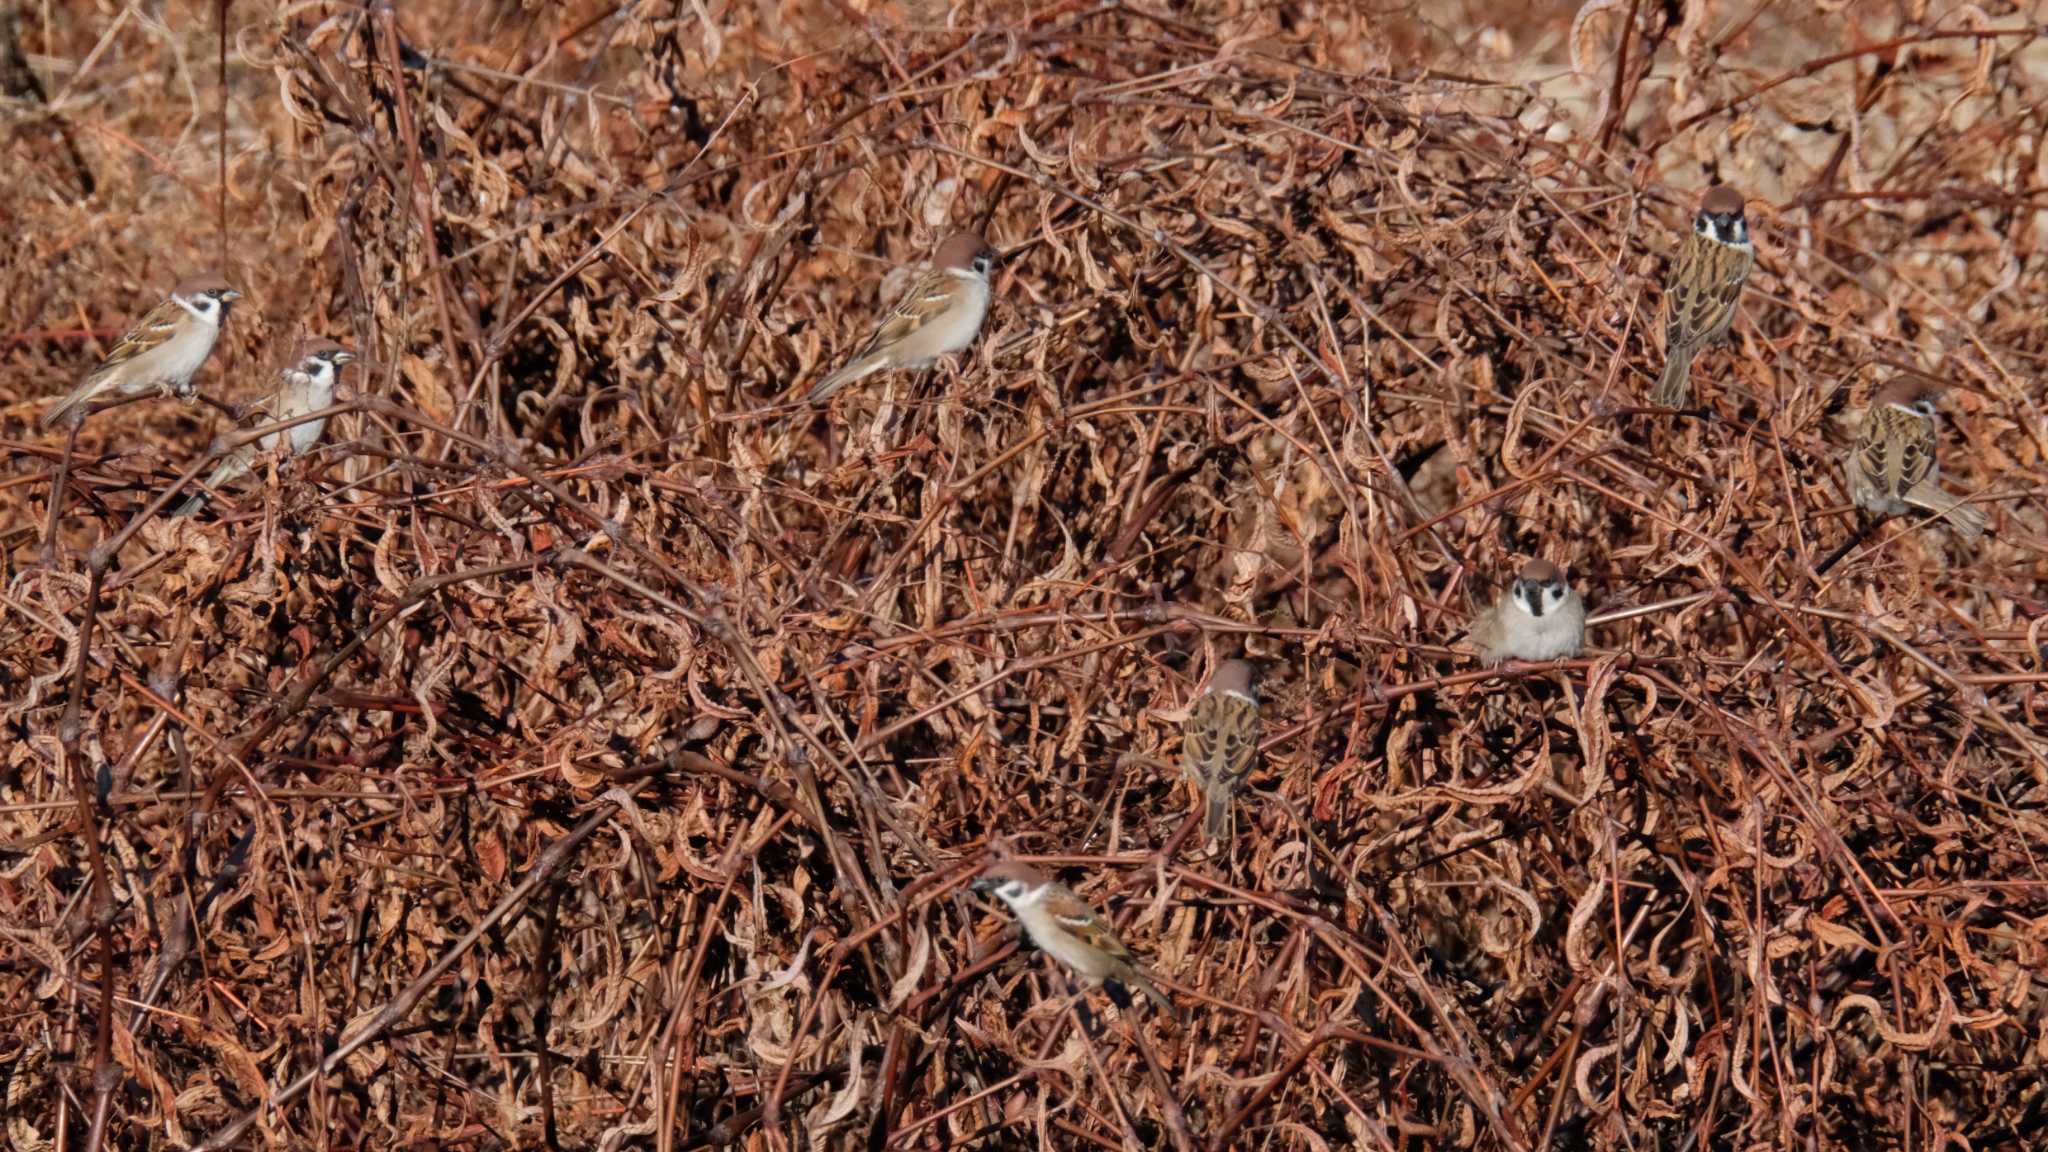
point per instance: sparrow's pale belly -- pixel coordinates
(949, 332)
(306, 435)
(1549, 637)
(306, 397)
(302, 436)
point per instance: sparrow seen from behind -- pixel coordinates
(164, 349)
(1539, 617)
(1892, 467)
(306, 386)
(940, 314)
(1062, 925)
(1700, 296)
(1220, 742)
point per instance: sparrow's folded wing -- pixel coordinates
(1916, 441)
(1074, 916)
(1873, 454)
(931, 295)
(1198, 739)
(1222, 734)
(1486, 632)
(1704, 287)
(155, 327)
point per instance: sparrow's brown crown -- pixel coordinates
(321, 346)
(1906, 391)
(1236, 676)
(211, 282)
(960, 252)
(1541, 571)
(1721, 200)
(1004, 871)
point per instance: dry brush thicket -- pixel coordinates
(589, 748)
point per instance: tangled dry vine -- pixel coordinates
(591, 744)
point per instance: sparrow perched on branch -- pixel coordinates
(1699, 299)
(1892, 466)
(1062, 924)
(163, 350)
(306, 386)
(941, 313)
(1220, 740)
(1539, 617)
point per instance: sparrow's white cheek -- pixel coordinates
(1526, 599)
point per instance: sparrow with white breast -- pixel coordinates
(1699, 299)
(1062, 924)
(941, 314)
(1539, 617)
(306, 386)
(163, 350)
(1220, 740)
(1892, 468)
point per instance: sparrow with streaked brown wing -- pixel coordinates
(1063, 926)
(1539, 617)
(163, 350)
(305, 387)
(940, 314)
(1892, 466)
(1700, 297)
(1220, 740)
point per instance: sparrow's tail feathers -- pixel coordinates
(65, 407)
(231, 467)
(1674, 387)
(1966, 520)
(1137, 980)
(857, 370)
(1216, 813)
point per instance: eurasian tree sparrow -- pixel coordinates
(1892, 466)
(1220, 740)
(941, 313)
(306, 386)
(1540, 617)
(1699, 299)
(1063, 925)
(163, 350)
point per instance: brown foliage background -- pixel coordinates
(595, 747)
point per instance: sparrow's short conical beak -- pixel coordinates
(982, 884)
(231, 295)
